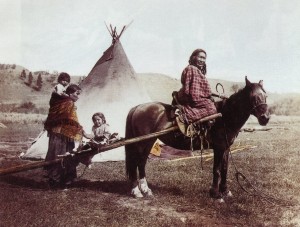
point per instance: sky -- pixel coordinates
(257, 38)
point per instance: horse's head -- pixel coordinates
(258, 102)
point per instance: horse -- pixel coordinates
(156, 116)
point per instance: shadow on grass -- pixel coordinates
(122, 187)
(116, 187)
(24, 182)
(113, 186)
(175, 191)
(17, 181)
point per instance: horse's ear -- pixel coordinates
(261, 83)
(248, 83)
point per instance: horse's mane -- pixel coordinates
(237, 94)
(226, 103)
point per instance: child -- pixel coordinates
(101, 136)
(63, 81)
(59, 91)
(100, 129)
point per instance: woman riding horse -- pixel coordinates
(195, 93)
(153, 117)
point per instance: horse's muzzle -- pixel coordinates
(264, 119)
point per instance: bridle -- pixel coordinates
(260, 104)
(263, 103)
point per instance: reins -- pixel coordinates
(256, 191)
(239, 175)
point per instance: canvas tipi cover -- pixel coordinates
(111, 88)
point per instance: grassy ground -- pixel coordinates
(100, 197)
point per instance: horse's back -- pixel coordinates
(147, 118)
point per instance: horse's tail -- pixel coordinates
(130, 157)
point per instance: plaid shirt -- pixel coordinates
(195, 89)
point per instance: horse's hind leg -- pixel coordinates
(131, 169)
(135, 189)
(143, 185)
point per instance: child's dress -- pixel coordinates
(102, 133)
(102, 136)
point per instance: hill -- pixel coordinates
(160, 86)
(14, 90)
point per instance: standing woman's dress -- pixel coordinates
(63, 129)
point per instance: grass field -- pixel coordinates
(100, 197)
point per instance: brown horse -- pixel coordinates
(153, 117)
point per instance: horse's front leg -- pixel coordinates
(224, 170)
(215, 188)
(220, 169)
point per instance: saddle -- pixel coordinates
(187, 128)
(190, 129)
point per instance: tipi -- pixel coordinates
(111, 88)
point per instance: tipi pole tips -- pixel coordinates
(122, 30)
(107, 28)
(113, 31)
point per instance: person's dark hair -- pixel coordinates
(193, 58)
(72, 88)
(63, 76)
(99, 114)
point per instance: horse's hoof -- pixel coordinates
(149, 193)
(221, 200)
(136, 193)
(215, 194)
(143, 186)
(227, 194)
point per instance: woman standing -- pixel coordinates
(63, 130)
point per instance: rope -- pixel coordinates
(201, 149)
(201, 131)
